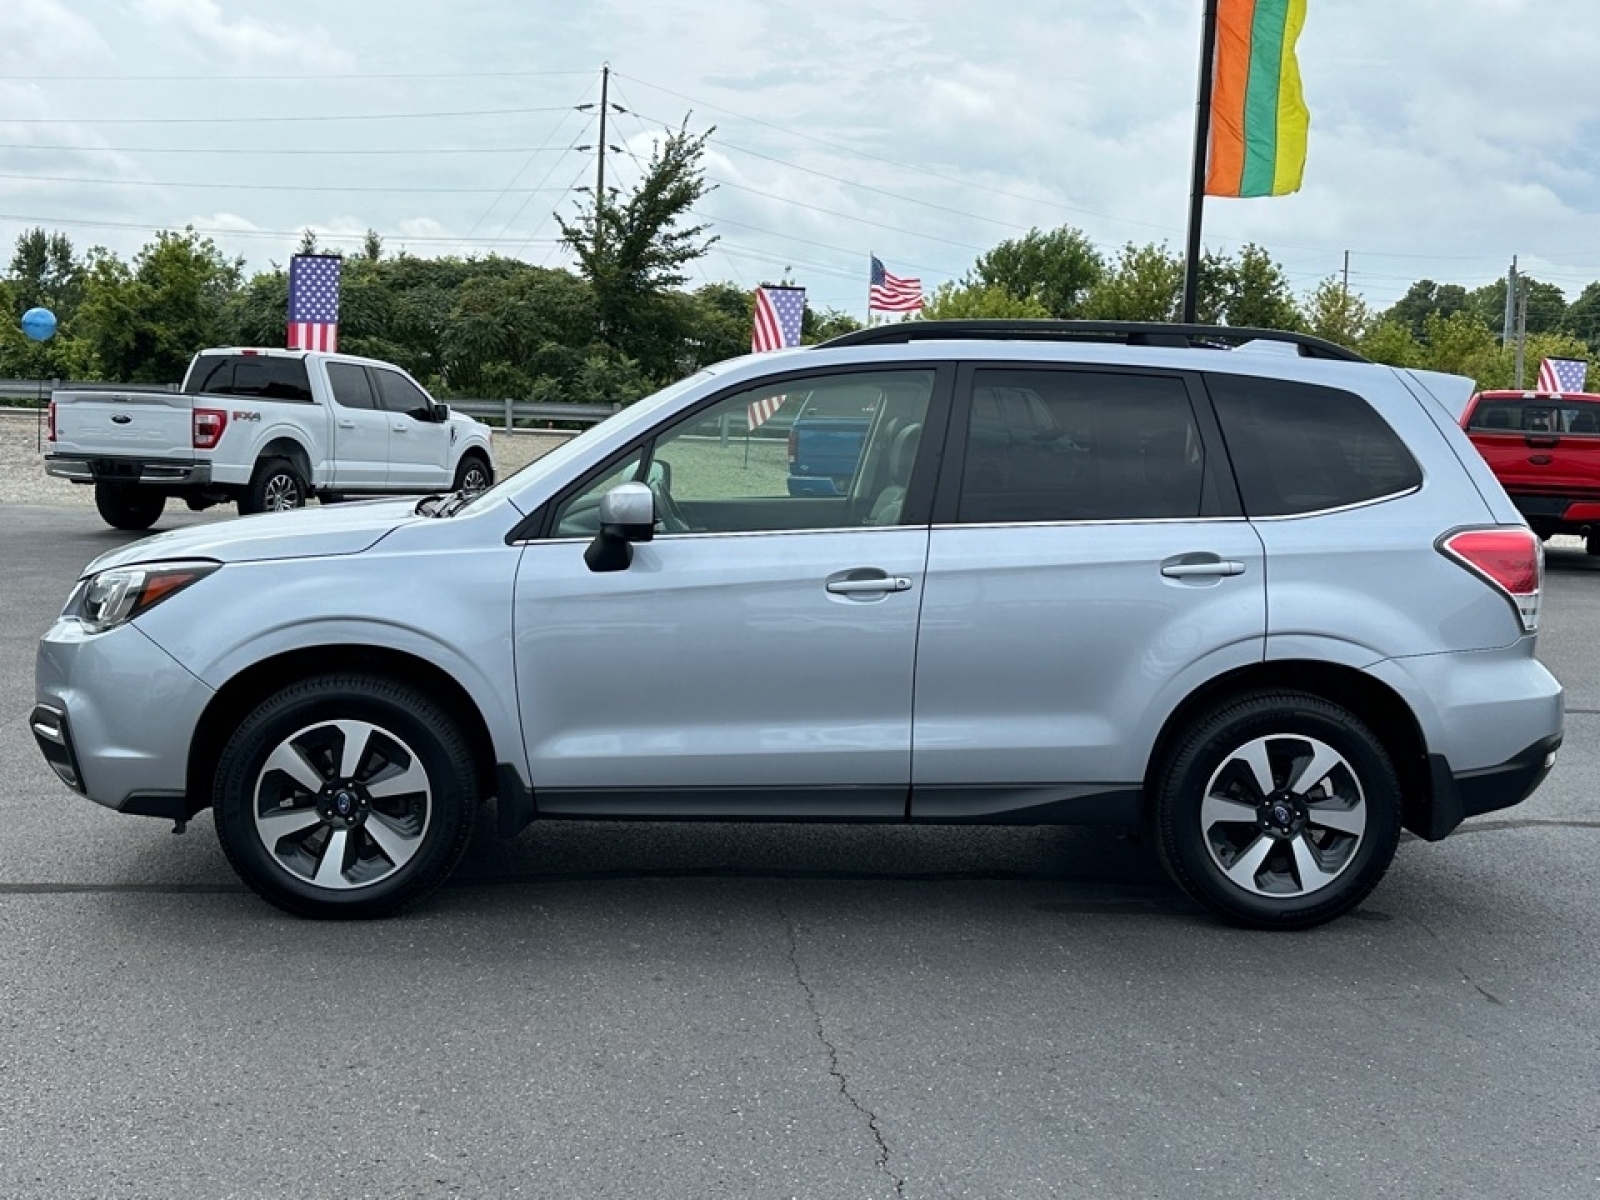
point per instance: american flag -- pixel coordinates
(890, 293)
(314, 302)
(1562, 375)
(779, 313)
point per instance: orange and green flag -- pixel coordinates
(1258, 111)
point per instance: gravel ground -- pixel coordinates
(23, 481)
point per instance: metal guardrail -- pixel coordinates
(503, 414)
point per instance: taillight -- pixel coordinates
(208, 426)
(794, 444)
(51, 435)
(1510, 559)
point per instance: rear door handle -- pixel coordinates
(1198, 570)
(347, 424)
(398, 428)
(867, 587)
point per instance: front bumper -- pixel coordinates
(114, 718)
(148, 471)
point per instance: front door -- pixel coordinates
(419, 445)
(755, 660)
(1087, 568)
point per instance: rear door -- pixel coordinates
(419, 446)
(1088, 565)
(360, 430)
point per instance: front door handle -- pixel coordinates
(1200, 570)
(867, 587)
(398, 428)
(347, 424)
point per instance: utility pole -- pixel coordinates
(1511, 308)
(1346, 284)
(1522, 327)
(600, 159)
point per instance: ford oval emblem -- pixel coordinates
(121, 419)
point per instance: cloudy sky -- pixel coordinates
(1447, 135)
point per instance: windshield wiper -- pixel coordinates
(428, 506)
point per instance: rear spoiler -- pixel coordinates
(1453, 392)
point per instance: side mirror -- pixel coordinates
(627, 515)
(440, 411)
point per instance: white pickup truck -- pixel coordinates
(266, 429)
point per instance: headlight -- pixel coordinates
(112, 597)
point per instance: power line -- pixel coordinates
(226, 231)
(252, 187)
(475, 112)
(846, 216)
(281, 78)
(250, 150)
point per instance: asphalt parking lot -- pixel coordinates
(604, 1010)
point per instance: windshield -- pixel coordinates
(575, 448)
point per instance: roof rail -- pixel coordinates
(1128, 333)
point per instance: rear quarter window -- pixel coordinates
(1301, 448)
(262, 376)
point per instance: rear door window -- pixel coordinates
(1301, 448)
(351, 388)
(1053, 445)
(266, 377)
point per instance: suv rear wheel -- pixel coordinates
(1278, 810)
(345, 796)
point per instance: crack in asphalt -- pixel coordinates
(1466, 976)
(833, 1056)
(1525, 823)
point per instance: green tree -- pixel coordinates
(1144, 284)
(952, 301)
(1423, 298)
(634, 250)
(46, 273)
(143, 323)
(1389, 341)
(1583, 317)
(1334, 312)
(1058, 270)
(1256, 292)
(1547, 305)
(1460, 344)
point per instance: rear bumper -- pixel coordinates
(1459, 795)
(157, 472)
(1566, 509)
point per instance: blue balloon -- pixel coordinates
(39, 324)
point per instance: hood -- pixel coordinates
(466, 422)
(302, 533)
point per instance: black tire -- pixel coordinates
(1209, 776)
(330, 497)
(399, 843)
(473, 473)
(275, 486)
(128, 506)
(1591, 543)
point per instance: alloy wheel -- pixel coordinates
(342, 804)
(1283, 816)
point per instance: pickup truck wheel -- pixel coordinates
(276, 486)
(345, 796)
(1277, 810)
(473, 475)
(127, 506)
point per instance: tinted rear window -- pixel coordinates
(1539, 415)
(1299, 448)
(267, 378)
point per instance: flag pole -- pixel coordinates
(1197, 188)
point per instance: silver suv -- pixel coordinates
(1243, 588)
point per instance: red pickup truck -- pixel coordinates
(1545, 450)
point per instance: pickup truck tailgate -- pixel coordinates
(131, 424)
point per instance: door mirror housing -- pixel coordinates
(440, 411)
(627, 515)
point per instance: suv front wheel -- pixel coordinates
(345, 796)
(1277, 810)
